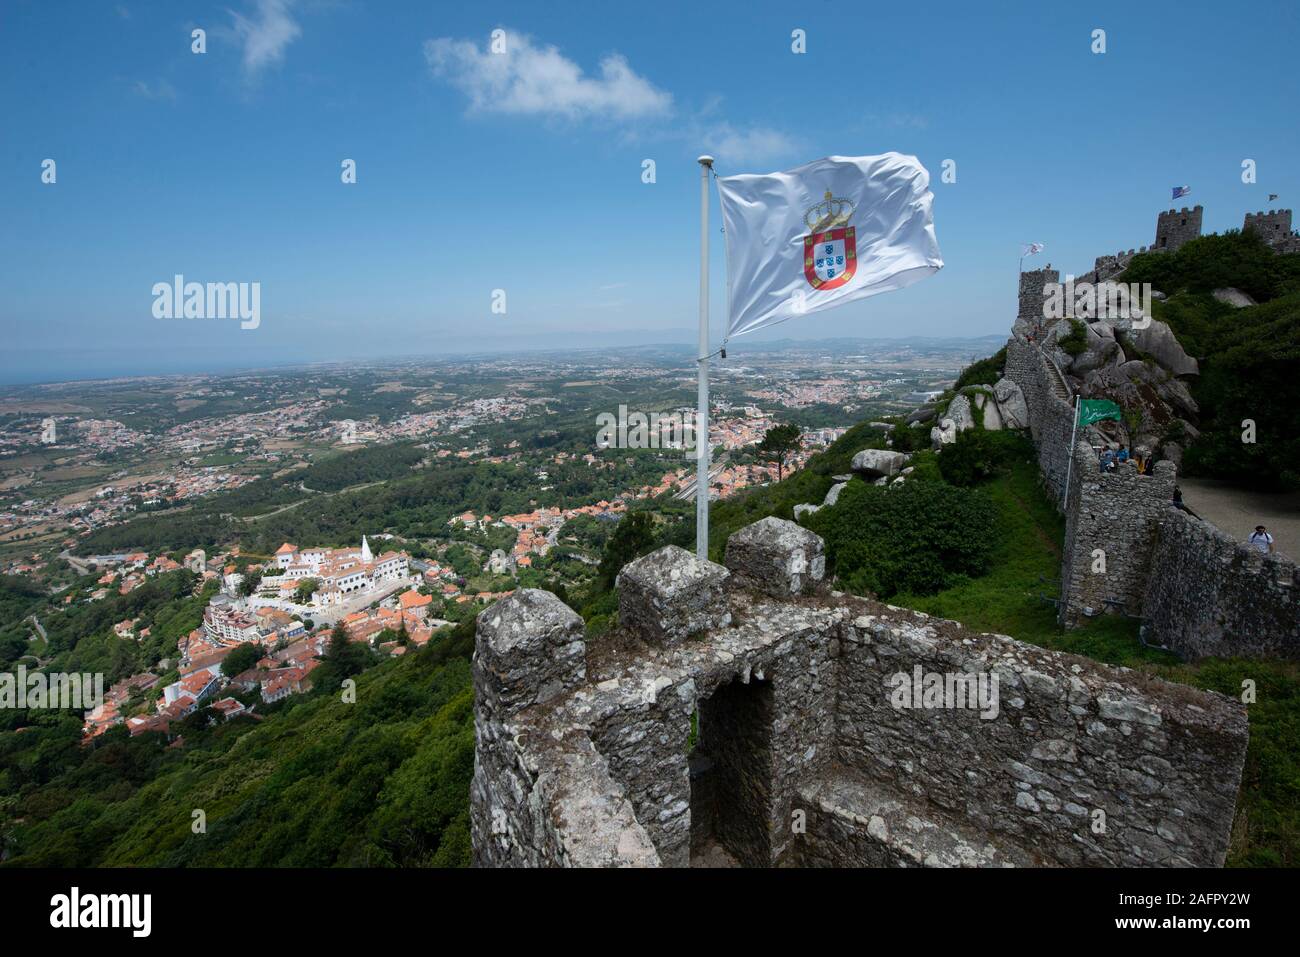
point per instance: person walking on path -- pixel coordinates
(1261, 540)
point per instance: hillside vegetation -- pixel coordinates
(317, 782)
(1248, 356)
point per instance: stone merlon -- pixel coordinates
(668, 595)
(777, 557)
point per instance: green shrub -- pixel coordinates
(979, 454)
(984, 372)
(917, 537)
(1076, 343)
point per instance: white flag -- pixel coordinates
(824, 234)
(1031, 249)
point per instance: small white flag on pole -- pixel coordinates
(825, 234)
(1031, 249)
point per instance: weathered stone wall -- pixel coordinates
(1051, 417)
(1110, 532)
(804, 755)
(1215, 597)
(645, 745)
(1211, 601)
(528, 796)
(1070, 737)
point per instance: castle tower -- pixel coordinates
(1272, 227)
(365, 550)
(1032, 296)
(1177, 226)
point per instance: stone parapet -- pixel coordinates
(788, 733)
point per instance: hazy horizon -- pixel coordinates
(102, 372)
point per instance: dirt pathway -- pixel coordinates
(1236, 512)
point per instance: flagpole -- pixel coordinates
(702, 401)
(1069, 465)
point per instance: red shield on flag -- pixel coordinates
(831, 258)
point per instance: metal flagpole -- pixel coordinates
(1069, 464)
(702, 403)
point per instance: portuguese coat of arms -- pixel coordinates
(830, 254)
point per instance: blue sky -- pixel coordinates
(523, 173)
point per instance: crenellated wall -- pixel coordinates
(804, 753)
(1051, 416)
(1110, 532)
(1215, 597)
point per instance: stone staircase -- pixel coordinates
(1060, 388)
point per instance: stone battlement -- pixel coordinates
(1215, 596)
(1176, 227)
(1274, 227)
(1128, 550)
(747, 715)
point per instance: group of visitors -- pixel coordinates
(1111, 459)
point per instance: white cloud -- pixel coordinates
(758, 144)
(161, 90)
(266, 34)
(529, 79)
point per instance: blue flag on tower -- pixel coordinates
(1181, 191)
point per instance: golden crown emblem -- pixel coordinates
(828, 214)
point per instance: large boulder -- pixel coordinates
(1179, 397)
(960, 413)
(1233, 297)
(992, 417)
(833, 495)
(1100, 352)
(872, 464)
(1012, 407)
(1135, 370)
(945, 433)
(1158, 341)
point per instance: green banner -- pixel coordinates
(1094, 410)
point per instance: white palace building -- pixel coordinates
(339, 571)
